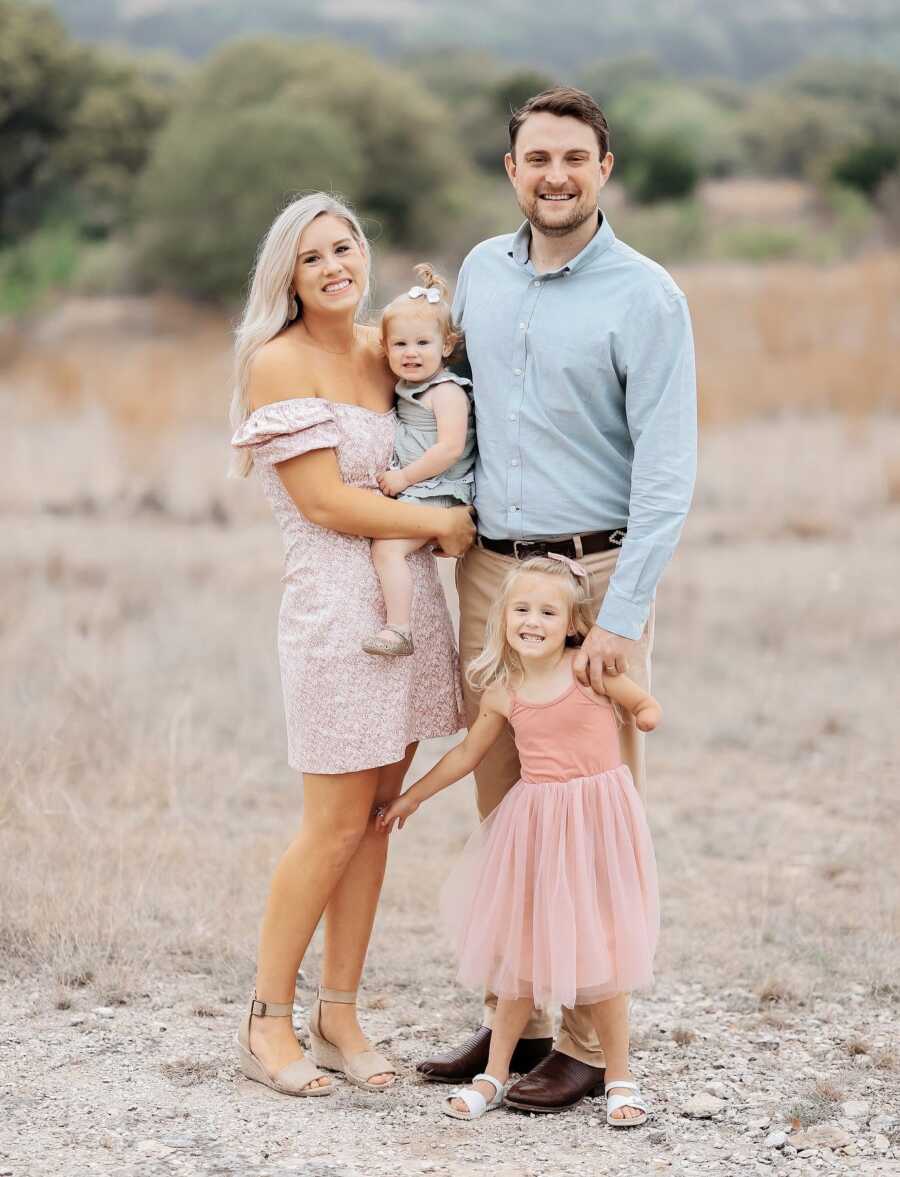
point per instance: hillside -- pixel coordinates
(691, 37)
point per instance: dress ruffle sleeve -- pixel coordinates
(287, 429)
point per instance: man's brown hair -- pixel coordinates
(566, 102)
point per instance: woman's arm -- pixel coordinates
(458, 762)
(314, 482)
(625, 691)
(451, 410)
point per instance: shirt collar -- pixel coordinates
(599, 243)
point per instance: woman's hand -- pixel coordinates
(458, 535)
(393, 482)
(401, 808)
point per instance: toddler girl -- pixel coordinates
(555, 897)
(435, 440)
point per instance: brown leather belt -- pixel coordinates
(573, 546)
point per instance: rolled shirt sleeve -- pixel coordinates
(661, 413)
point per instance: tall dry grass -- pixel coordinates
(144, 796)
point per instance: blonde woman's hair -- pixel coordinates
(498, 664)
(271, 305)
(441, 311)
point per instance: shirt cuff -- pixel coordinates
(621, 616)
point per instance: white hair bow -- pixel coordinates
(431, 293)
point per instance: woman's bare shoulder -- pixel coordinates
(279, 371)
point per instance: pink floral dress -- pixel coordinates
(347, 710)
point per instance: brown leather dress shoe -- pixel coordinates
(470, 1059)
(556, 1084)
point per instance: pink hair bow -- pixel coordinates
(430, 293)
(573, 566)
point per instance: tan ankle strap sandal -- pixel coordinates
(296, 1077)
(358, 1068)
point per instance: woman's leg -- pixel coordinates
(336, 813)
(350, 915)
(610, 1020)
(389, 558)
(510, 1019)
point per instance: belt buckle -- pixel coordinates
(617, 537)
(539, 548)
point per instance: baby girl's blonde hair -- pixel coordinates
(498, 663)
(439, 311)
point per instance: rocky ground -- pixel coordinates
(145, 800)
(152, 1088)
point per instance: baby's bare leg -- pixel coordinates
(389, 558)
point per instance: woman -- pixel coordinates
(313, 407)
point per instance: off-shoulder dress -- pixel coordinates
(347, 710)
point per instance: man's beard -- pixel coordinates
(579, 211)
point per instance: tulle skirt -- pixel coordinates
(555, 895)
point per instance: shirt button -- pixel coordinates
(515, 506)
(535, 283)
(517, 371)
(521, 326)
(512, 416)
(514, 462)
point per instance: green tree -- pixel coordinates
(213, 188)
(606, 81)
(308, 116)
(41, 79)
(864, 167)
(666, 136)
(110, 134)
(800, 137)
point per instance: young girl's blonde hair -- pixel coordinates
(440, 311)
(498, 663)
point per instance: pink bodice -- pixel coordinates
(575, 735)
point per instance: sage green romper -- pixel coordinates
(417, 432)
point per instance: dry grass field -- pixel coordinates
(144, 795)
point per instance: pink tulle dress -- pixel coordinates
(555, 895)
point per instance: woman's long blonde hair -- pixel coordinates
(498, 663)
(270, 305)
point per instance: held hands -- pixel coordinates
(393, 482)
(400, 808)
(602, 653)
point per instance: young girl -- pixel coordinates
(554, 899)
(435, 439)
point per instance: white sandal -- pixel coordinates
(474, 1100)
(615, 1103)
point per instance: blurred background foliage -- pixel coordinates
(148, 146)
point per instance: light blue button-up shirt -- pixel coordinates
(585, 404)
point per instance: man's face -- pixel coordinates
(557, 172)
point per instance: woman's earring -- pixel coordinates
(292, 305)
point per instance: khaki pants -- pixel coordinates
(479, 575)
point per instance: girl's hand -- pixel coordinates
(393, 482)
(402, 808)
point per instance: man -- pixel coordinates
(585, 403)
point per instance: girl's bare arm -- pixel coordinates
(458, 762)
(626, 692)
